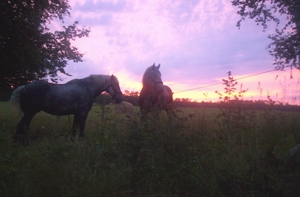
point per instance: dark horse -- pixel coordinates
(74, 97)
(155, 96)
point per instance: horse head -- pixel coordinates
(114, 89)
(152, 79)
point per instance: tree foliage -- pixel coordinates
(28, 49)
(285, 44)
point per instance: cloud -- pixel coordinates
(102, 5)
(85, 68)
(97, 13)
(196, 41)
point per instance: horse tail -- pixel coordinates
(15, 99)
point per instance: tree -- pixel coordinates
(28, 50)
(285, 45)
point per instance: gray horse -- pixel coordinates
(74, 97)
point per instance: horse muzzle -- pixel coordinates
(118, 98)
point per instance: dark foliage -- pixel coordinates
(28, 50)
(286, 41)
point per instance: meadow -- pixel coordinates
(210, 153)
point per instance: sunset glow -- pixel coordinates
(196, 43)
(277, 84)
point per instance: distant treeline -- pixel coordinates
(132, 97)
(238, 104)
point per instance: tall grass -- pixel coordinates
(120, 156)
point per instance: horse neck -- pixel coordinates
(147, 91)
(147, 88)
(99, 83)
(144, 81)
(146, 75)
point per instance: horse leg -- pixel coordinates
(22, 128)
(82, 125)
(79, 122)
(75, 127)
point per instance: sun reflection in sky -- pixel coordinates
(278, 85)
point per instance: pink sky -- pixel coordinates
(196, 43)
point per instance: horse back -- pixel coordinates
(168, 94)
(69, 98)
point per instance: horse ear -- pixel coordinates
(153, 65)
(158, 66)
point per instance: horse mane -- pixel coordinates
(100, 79)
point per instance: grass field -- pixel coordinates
(236, 153)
